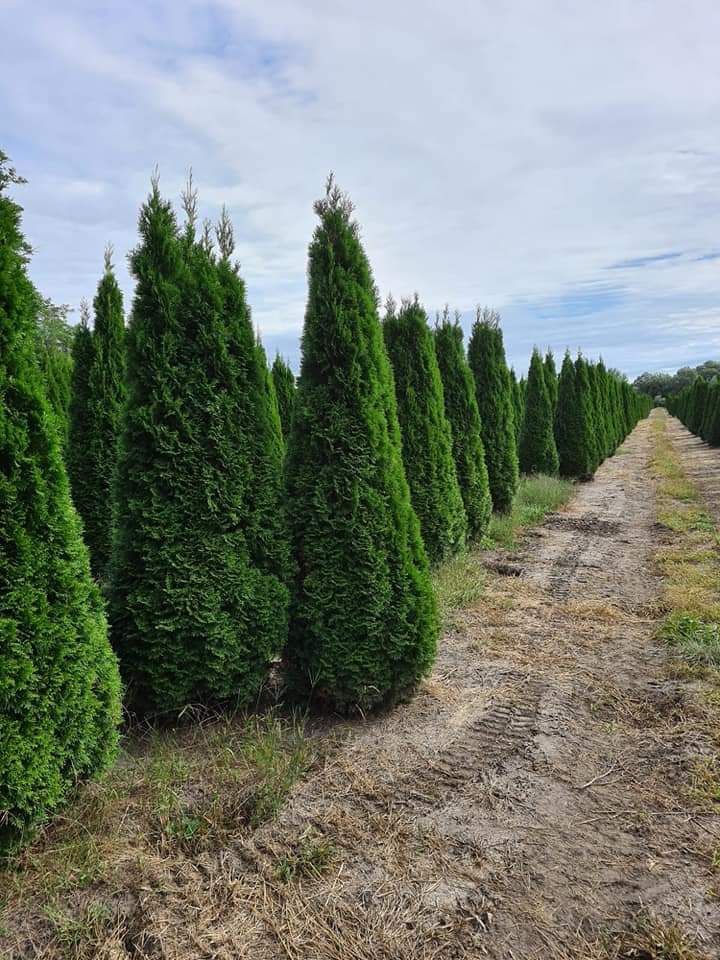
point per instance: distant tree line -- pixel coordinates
(220, 517)
(671, 384)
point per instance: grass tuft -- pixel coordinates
(536, 497)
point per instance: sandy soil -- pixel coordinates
(530, 802)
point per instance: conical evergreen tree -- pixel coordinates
(584, 398)
(518, 404)
(486, 356)
(363, 619)
(462, 413)
(425, 431)
(106, 394)
(551, 379)
(59, 685)
(78, 456)
(284, 381)
(195, 616)
(711, 406)
(538, 453)
(599, 417)
(569, 425)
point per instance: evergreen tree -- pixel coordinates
(538, 453)
(462, 413)
(551, 379)
(426, 438)
(285, 392)
(93, 446)
(588, 436)
(59, 686)
(79, 456)
(486, 356)
(55, 339)
(518, 404)
(196, 615)
(599, 416)
(569, 425)
(363, 620)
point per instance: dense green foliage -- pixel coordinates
(363, 624)
(698, 407)
(493, 389)
(198, 607)
(537, 450)
(596, 410)
(518, 399)
(551, 379)
(78, 453)
(59, 685)
(463, 416)
(284, 381)
(55, 340)
(425, 431)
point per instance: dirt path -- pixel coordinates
(534, 794)
(528, 803)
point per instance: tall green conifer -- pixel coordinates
(425, 431)
(551, 379)
(198, 608)
(486, 356)
(462, 413)
(79, 451)
(285, 391)
(363, 619)
(59, 685)
(538, 453)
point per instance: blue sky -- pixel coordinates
(557, 161)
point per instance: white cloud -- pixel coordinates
(504, 153)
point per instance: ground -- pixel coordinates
(550, 792)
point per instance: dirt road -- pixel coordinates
(530, 802)
(533, 797)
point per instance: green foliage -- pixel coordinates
(518, 399)
(538, 453)
(98, 392)
(536, 496)
(55, 340)
(59, 686)
(551, 379)
(670, 385)
(571, 425)
(197, 600)
(464, 418)
(284, 381)
(486, 356)
(426, 438)
(363, 619)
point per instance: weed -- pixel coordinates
(536, 497)
(696, 640)
(651, 939)
(311, 858)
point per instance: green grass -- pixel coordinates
(459, 583)
(697, 641)
(536, 497)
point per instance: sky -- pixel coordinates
(557, 160)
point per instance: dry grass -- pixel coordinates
(649, 939)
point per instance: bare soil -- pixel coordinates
(530, 802)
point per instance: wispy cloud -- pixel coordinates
(514, 154)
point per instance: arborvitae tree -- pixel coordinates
(195, 616)
(551, 379)
(363, 624)
(425, 431)
(518, 404)
(59, 685)
(55, 339)
(605, 383)
(284, 381)
(710, 414)
(538, 453)
(585, 402)
(697, 404)
(97, 444)
(599, 415)
(570, 425)
(462, 413)
(79, 454)
(486, 356)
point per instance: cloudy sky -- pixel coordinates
(558, 160)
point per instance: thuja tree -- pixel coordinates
(284, 381)
(59, 685)
(600, 425)
(464, 418)
(486, 356)
(195, 616)
(55, 342)
(570, 426)
(538, 453)
(79, 454)
(585, 400)
(98, 391)
(518, 403)
(425, 431)
(551, 379)
(363, 626)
